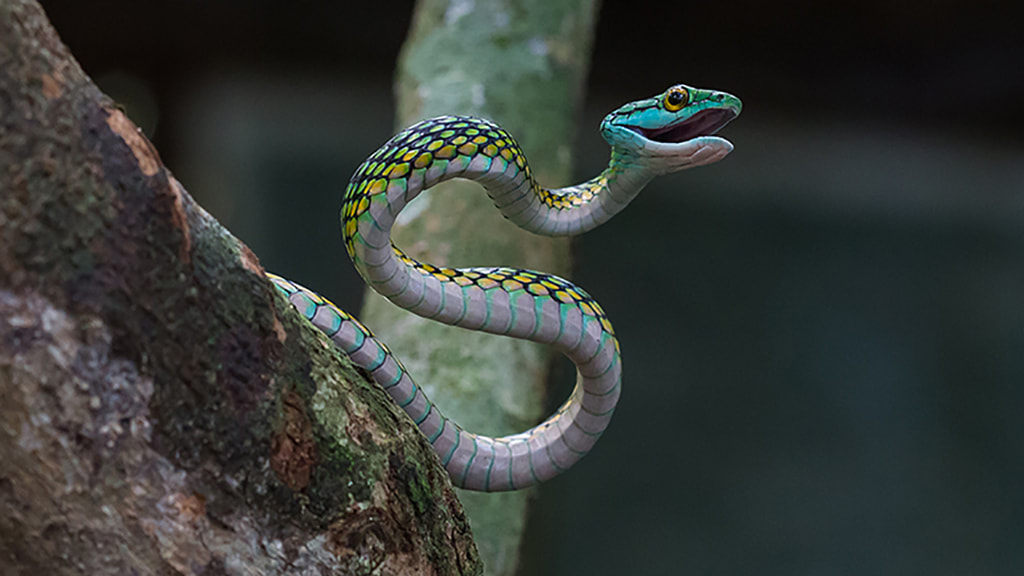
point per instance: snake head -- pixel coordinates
(674, 130)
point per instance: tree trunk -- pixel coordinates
(162, 410)
(522, 64)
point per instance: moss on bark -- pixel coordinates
(163, 410)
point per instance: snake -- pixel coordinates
(671, 131)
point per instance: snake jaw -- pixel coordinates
(706, 122)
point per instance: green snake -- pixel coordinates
(669, 132)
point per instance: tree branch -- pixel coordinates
(162, 410)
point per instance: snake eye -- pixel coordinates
(676, 98)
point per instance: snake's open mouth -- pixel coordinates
(703, 123)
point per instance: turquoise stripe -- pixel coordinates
(423, 294)
(381, 265)
(547, 448)
(399, 183)
(469, 463)
(511, 461)
(563, 315)
(608, 411)
(396, 378)
(439, 163)
(444, 295)
(533, 473)
(565, 440)
(448, 458)
(538, 315)
(336, 321)
(440, 430)
(513, 310)
(612, 364)
(581, 429)
(284, 286)
(522, 192)
(465, 304)
(358, 342)
(426, 413)
(408, 281)
(308, 308)
(608, 391)
(490, 466)
(381, 357)
(488, 303)
(412, 396)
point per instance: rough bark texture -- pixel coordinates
(521, 64)
(162, 410)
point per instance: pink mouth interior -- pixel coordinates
(703, 123)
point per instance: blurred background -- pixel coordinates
(823, 335)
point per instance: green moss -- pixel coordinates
(421, 494)
(321, 376)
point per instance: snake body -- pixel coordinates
(669, 132)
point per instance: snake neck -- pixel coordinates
(448, 147)
(579, 208)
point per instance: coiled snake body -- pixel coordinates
(659, 135)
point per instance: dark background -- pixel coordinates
(823, 334)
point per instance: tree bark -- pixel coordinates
(522, 64)
(162, 410)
